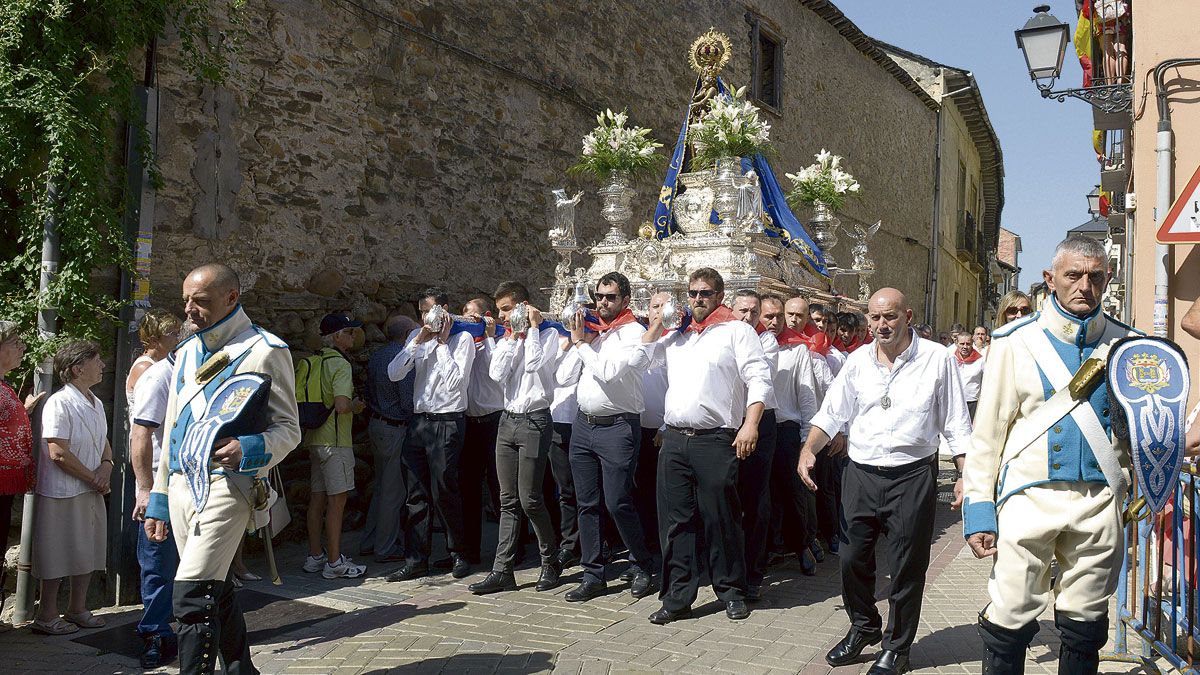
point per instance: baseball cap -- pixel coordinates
(332, 323)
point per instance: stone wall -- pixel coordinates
(365, 150)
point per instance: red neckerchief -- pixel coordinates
(759, 328)
(721, 314)
(597, 324)
(849, 348)
(975, 356)
(789, 337)
(812, 337)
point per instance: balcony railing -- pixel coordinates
(967, 240)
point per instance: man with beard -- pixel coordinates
(718, 383)
(606, 434)
(207, 534)
(897, 394)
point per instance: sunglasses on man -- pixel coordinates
(705, 293)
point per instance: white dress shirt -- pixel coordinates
(712, 377)
(796, 387)
(148, 407)
(564, 405)
(822, 374)
(654, 395)
(926, 399)
(971, 375)
(484, 395)
(770, 345)
(70, 416)
(835, 359)
(524, 367)
(443, 371)
(609, 384)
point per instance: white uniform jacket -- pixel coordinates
(996, 469)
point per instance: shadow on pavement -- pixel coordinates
(535, 662)
(352, 624)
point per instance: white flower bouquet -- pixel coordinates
(730, 127)
(824, 182)
(614, 148)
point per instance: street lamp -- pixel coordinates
(1043, 40)
(1093, 199)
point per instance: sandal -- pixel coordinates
(85, 620)
(56, 627)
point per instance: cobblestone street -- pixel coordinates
(435, 625)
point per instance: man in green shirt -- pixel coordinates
(331, 450)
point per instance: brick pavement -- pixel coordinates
(435, 625)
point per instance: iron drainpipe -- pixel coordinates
(935, 248)
(1164, 151)
(43, 383)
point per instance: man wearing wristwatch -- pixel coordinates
(606, 434)
(207, 534)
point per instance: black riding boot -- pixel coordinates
(199, 629)
(1004, 648)
(1079, 653)
(234, 645)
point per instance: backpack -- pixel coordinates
(310, 400)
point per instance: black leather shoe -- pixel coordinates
(151, 652)
(586, 590)
(737, 610)
(818, 553)
(890, 663)
(665, 616)
(807, 567)
(550, 578)
(629, 573)
(834, 546)
(848, 650)
(461, 568)
(566, 559)
(410, 570)
(753, 593)
(494, 582)
(642, 585)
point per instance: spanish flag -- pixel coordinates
(1083, 42)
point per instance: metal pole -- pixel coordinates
(1162, 252)
(43, 383)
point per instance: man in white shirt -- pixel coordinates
(606, 434)
(718, 383)
(826, 319)
(969, 362)
(831, 462)
(897, 394)
(157, 560)
(435, 437)
(645, 481)
(523, 362)
(477, 461)
(754, 474)
(796, 402)
(564, 406)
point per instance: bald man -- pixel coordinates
(897, 395)
(206, 491)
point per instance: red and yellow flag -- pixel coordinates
(1083, 42)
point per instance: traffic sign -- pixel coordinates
(1182, 224)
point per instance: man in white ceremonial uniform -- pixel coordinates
(523, 362)
(718, 383)
(795, 384)
(443, 361)
(754, 474)
(226, 345)
(1044, 479)
(897, 394)
(606, 434)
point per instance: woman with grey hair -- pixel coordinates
(17, 473)
(74, 468)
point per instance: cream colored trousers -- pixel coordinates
(207, 541)
(1077, 523)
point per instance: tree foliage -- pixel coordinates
(67, 73)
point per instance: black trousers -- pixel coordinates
(790, 497)
(477, 467)
(754, 492)
(603, 464)
(645, 489)
(698, 497)
(568, 507)
(898, 504)
(827, 503)
(431, 459)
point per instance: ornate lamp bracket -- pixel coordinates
(1108, 98)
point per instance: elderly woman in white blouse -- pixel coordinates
(74, 468)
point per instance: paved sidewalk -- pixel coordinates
(435, 625)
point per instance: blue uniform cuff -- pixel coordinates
(157, 508)
(978, 517)
(254, 453)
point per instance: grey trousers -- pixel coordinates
(522, 449)
(388, 493)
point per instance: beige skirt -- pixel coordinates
(69, 535)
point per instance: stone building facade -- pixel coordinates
(364, 150)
